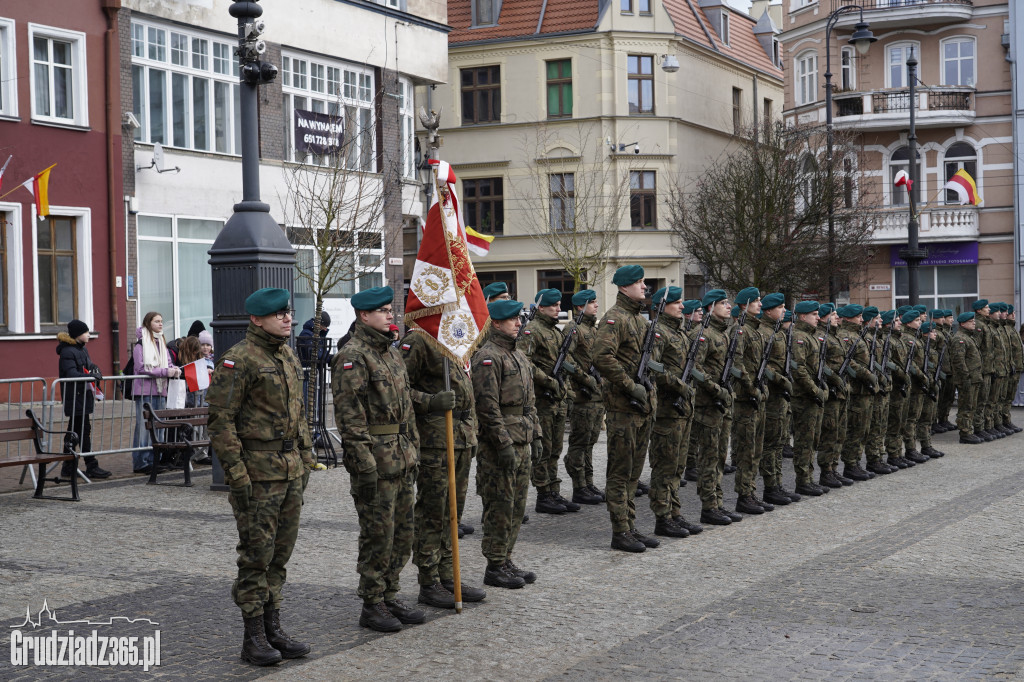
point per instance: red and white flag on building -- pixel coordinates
(197, 376)
(445, 298)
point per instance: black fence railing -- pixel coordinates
(956, 101)
(853, 106)
(899, 100)
(894, 4)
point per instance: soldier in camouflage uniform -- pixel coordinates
(833, 415)
(875, 448)
(1008, 389)
(986, 345)
(510, 437)
(1001, 356)
(948, 390)
(1016, 348)
(808, 397)
(930, 403)
(711, 405)
(863, 383)
(540, 343)
(374, 410)
(780, 392)
(899, 393)
(965, 361)
(496, 291)
(586, 414)
(630, 406)
(915, 340)
(693, 315)
(432, 548)
(670, 434)
(259, 431)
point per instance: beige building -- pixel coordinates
(963, 121)
(563, 116)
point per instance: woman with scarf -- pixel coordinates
(154, 360)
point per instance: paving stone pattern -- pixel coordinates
(911, 576)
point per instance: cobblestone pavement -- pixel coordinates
(911, 576)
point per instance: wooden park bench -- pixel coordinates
(179, 428)
(30, 429)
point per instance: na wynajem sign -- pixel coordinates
(317, 133)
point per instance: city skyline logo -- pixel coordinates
(51, 615)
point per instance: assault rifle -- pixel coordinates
(727, 374)
(789, 351)
(849, 355)
(526, 319)
(871, 351)
(762, 369)
(886, 370)
(934, 393)
(820, 377)
(691, 360)
(910, 358)
(646, 364)
(561, 364)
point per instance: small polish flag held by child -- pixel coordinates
(197, 377)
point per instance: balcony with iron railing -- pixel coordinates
(937, 107)
(939, 223)
(890, 14)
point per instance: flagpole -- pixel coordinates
(453, 506)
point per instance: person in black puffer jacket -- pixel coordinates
(79, 396)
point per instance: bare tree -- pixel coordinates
(758, 215)
(573, 197)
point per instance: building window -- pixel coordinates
(953, 287)
(768, 113)
(808, 186)
(485, 12)
(407, 140)
(562, 207)
(776, 55)
(339, 91)
(900, 160)
(506, 276)
(643, 199)
(960, 156)
(481, 95)
(561, 280)
(641, 84)
(58, 75)
(849, 184)
(185, 90)
(56, 261)
(484, 205)
(694, 286)
(847, 78)
(896, 59)
(725, 26)
(737, 111)
(559, 75)
(626, 6)
(4, 323)
(807, 78)
(644, 6)
(958, 62)
(8, 78)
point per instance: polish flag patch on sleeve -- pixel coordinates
(487, 363)
(526, 332)
(230, 364)
(610, 321)
(346, 365)
(406, 346)
(800, 342)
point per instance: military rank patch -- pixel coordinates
(230, 364)
(487, 363)
(347, 365)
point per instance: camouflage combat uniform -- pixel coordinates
(929, 403)
(965, 362)
(776, 432)
(863, 386)
(540, 343)
(833, 418)
(259, 431)
(898, 396)
(586, 414)
(875, 445)
(374, 410)
(710, 417)
(1015, 362)
(1001, 361)
(948, 391)
(918, 387)
(425, 365)
(749, 409)
(503, 389)
(988, 358)
(620, 337)
(807, 410)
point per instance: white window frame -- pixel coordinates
(903, 65)
(407, 132)
(973, 79)
(848, 69)
(79, 74)
(83, 263)
(355, 90)
(725, 26)
(8, 69)
(803, 89)
(15, 285)
(169, 69)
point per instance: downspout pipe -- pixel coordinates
(112, 67)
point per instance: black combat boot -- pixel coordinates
(278, 638)
(255, 647)
(597, 491)
(775, 495)
(627, 543)
(377, 617)
(1010, 424)
(667, 527)
(465, 529)
(647, 541)
(436, 595)
(529, 577)
(729, 469)
(642, 489)
(469, 593)
(733, 516)
(692, 528)
(899, 463)
(747, 505)
(970, 439)
(714, 517)
(690, 474)
(1005, 429)
(496, 575)
(546, 504)
(932, 453)
(915, 457)
(879, 467)
(767, 506)
(93, 469)
(584, 495)
(569, 506)
(855, 473)
(842, 479)
(787, 451)
(793, 497)
(809, 489)
(406, 615)
(829, 480)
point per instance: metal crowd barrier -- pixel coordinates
(17, 396)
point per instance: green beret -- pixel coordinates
(788, 317)
(964, 317)
(712, 297)
(909, 316)
(851, 310)
(670, 294)
(902, 309)
(921, 309)
(870, 313)
(495, 289)
(374, 298)
(584, 296)
(735, 312)
(927, 327)
(826, 309)
(548, 297)
(804, 307)
(1009, 308)
(936, 313)
(690, 306)
(267, 301)
(504, 309)
(772, 301)
(627, 274)
(979, 304)
(747, 295)
(996, 307)
(888, 316)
